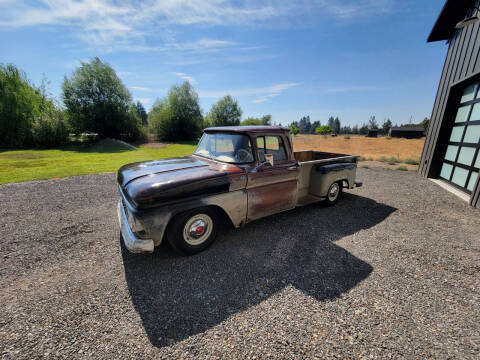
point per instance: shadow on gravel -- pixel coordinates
(177, 297)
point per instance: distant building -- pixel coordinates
(409, 132)
(372, 133)
(451, 152)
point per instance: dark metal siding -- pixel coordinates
(462, 63)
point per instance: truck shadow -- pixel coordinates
(178, 297)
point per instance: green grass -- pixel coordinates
(402, 168)
(103, 156)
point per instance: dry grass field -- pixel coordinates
(387, 152)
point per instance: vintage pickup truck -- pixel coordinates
(238, 173)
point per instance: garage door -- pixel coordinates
(461, 162)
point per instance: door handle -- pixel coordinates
(292, 168)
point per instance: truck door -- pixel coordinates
(272, 188)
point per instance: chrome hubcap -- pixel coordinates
(197, 229)
(333, 192)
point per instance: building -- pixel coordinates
(372, 133)
(451, 152)
(409, 132)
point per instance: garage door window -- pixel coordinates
(461, 161)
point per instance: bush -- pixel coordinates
(323, 130)
(402, 168)
(391, 160)
(388, 137)
(50, 129)
(27, 116)
(346, 137)
(251, 121)
(19, 105)
(178, 116)
(293, 129)
(411, 161)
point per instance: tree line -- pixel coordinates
(94, 100)
(333, 126)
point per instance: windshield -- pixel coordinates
(230, 148)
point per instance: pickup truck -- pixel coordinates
(237, 174)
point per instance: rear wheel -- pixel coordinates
(193, 231)
(334, 192)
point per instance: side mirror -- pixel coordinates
(269, 159)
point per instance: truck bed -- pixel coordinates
(318, 169)
(310, 156)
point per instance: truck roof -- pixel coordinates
(249, 129)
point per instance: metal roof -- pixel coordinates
(250, 128)
(408, 128)
(452, 12)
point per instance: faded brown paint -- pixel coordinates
(156, 191)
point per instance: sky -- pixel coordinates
(321, 58)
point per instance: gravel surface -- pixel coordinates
(392, 271)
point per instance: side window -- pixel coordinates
(271, 145)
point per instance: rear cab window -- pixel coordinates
(273, 145)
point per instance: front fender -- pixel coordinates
(156, 220)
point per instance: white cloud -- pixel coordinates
(126, 25)
(144, 100)
(265, 92)
(275, 90)
(139, 88)
(186, 77)
(348, 9)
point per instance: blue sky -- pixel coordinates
(344, 58)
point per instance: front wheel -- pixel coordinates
(193, 231)
(333, 194)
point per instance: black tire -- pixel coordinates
(332, 200)
(175, 230)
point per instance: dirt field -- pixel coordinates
(371, 149)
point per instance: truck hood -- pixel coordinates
(150, 183)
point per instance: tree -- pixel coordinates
(96, 99)
(331, 122)
(304, 125)
(28, 116)
(346, 130)
(425, 123)
(325, 129)
(336, 125)
(387, 125)
(266, 119)
(178, 116)
(293, 129)
(251, 121)
(372, 123)
(363, 129)
(19, 104)
(142, 113)
(225, 112)
(314, 126)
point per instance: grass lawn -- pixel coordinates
(103, 156)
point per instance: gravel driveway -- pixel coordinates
(392, 271)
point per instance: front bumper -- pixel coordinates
(132, 242)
